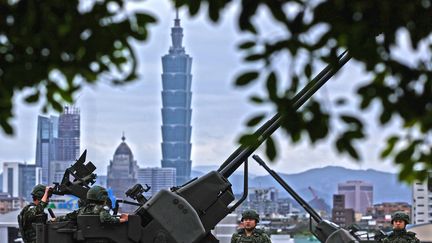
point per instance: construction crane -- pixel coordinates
(319, 203)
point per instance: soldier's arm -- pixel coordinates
(267, 238)
(72, 216)
(233, 238)
(107, 218)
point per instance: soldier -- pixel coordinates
(96, 204)
(249, 233)
(34, 213)
(400, 235)
(97, 197)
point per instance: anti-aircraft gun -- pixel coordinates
(77, 179)
(323, 230)
(188, 213)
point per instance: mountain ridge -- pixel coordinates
(323, 182)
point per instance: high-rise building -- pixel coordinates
(156, 178)
(264, 200)
(340, 214)
(176, 110)
(19, 179)
(57, 169)
(422, 201)
(46, 138)
(122, 170)
(358, 195)
(68, 141)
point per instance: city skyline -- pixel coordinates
(220, 111)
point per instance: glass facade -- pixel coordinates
(68, 142)
(176, 110)
(27, 180)
(45, 144)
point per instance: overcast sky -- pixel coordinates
(219, 109)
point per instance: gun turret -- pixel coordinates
(77, 179)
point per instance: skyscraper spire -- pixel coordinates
(177, 36)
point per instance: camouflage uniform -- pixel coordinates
(258, 236)
(101, 210)
(32, 214)
(401, 235)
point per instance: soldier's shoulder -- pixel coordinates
(260, 231)
(410, 233)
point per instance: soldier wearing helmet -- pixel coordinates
(249, 232)
(97, 203)
(399, 221)
(97, 198)
(34, 213)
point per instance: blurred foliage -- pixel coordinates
(316, 31)
(51, 48)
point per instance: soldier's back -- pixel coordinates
(30, 215)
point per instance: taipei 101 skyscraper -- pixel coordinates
(176, 107)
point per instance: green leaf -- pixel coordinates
(270, 149)
(256, 100)
(272, 86)
(248, 139)
(308, 70)
(247, 45)
(33, 97)
(246, 78)
(391, 142)
(255, 120)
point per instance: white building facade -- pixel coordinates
(422, 201)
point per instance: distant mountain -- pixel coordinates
(324, 181)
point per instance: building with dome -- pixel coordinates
(122, 170)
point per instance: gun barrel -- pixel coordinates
(266, 130)
(296, 197)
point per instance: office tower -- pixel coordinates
(19, 179)
(46, 144)
(358, 195)
(68, 142)
(122, 170)
(176, 110)
(263, 200)
(341, 215)
(156, 178)
(422, 201)
(57, 169)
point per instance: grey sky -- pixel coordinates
(219, 110)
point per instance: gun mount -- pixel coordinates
(184, 214)
(77, 179)
(324, 230)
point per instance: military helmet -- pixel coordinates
(38, 191)
(400, 216)
(250, 214)
(97, 193)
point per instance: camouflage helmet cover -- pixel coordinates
(38, 191)
(250, 214)
(400, 216)
(97, 193)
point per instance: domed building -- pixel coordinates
(122, 170)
